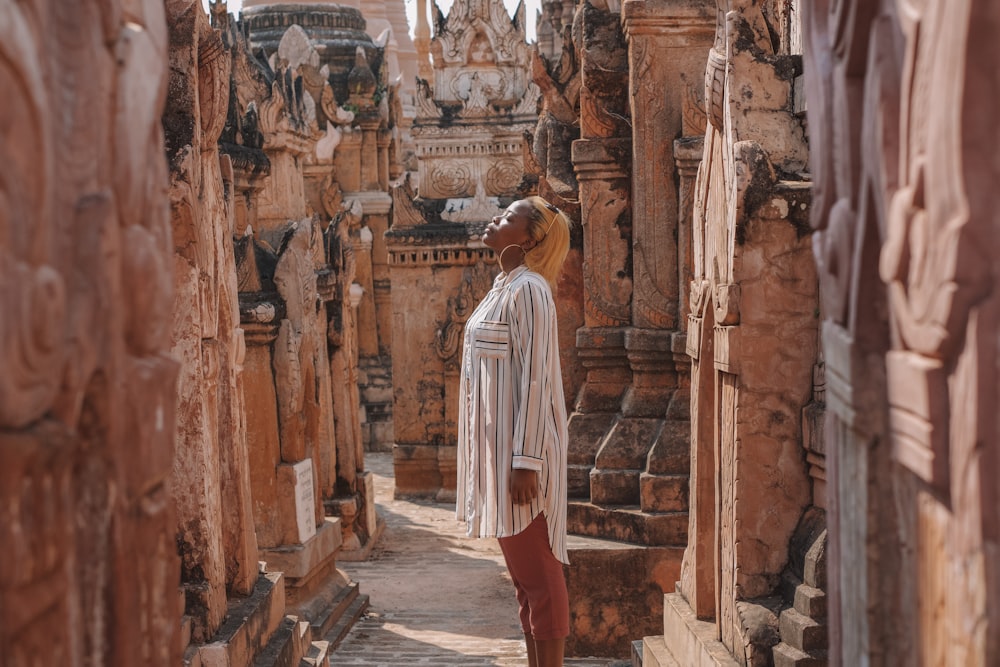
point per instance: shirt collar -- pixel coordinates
(504, 278)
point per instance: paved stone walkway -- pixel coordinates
(437, 597)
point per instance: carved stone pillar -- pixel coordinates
(362, 238)
(384, 139)
(903, 150)
(601, 160)
(374, 318)
(87, 387)
(212, 444)
(601, 169)
(667, 44)
(370, 162)
(603, 186)
(752, 339)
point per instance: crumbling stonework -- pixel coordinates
(211, 466)
(752, 335)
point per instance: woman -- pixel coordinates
(512, 421)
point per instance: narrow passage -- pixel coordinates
(437, 597)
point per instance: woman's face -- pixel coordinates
(510, 227)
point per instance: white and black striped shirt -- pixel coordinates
(512, 413)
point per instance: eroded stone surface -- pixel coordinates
(87, 398)
(752, 331)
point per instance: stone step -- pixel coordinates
(318, 655)
(663, 493)
(627, 524)
(810, 601)
(288, 645)
(653, 652)
(249, 625)
(815, 563)
(578, 481)
(802, 632)
(614, 487)
(347, 619)
(334, 612)
(789, 656)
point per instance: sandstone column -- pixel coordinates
(87, 387)
(752, 337)
(601, 159)
(211, 472)
(903, 150)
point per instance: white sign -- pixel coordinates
(305, 502)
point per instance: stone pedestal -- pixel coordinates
(602, 353)
(610, 584)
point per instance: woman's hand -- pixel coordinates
(523, 485)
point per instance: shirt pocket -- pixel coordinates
(491, 339)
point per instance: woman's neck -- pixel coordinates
(511, 257)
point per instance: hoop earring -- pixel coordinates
(512, 245)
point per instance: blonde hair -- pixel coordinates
(550, 229)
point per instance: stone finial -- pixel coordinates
(361, 82)
(295, 49)
(405, 212)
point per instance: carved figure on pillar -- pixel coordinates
(558, 124)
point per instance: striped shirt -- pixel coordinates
(511, 412)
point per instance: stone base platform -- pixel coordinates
(616, 593)
(685, 640)
(316, 591)
(257, 632)
(424, 471)
(362, 554)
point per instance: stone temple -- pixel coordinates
(238, 249)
